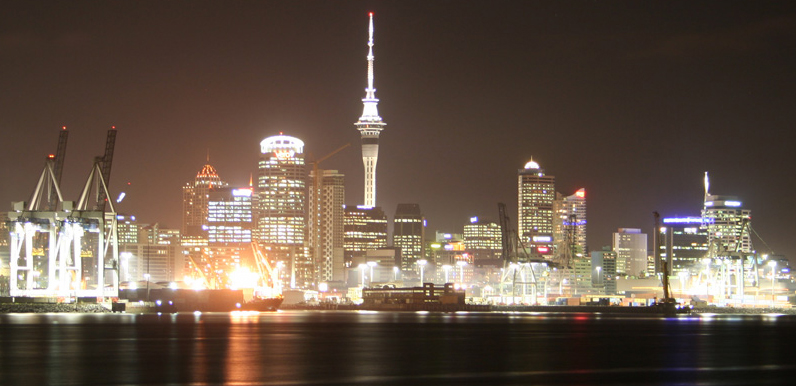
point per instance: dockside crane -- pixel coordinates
(63, 272)
(516, 263)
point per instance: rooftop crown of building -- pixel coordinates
(532, 165)
(281, 142)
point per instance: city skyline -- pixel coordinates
(632, 107)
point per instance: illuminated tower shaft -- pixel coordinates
(370, 126)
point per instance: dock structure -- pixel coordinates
(62, 248)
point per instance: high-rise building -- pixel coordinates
(281, 213)
(195, 206)
(484, 241)
(370, 126)
(683, 242)
(603, 269)
(229, 220)
(630, 246)
(536, 195)
(325, 225)
(569, 223)
(727, 224)
(409, 233)
(365, 230)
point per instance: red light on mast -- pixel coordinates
(63, 127)
(51, 156)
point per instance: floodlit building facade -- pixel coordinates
(536, 195)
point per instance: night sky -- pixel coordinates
(632, 100)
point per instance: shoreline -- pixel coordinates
(93, 308)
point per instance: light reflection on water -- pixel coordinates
(339, 347)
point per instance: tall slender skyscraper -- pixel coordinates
(195, 206)
(281, 214)
(325, 225)
(536, 196)
(370, 126)
(409, 233)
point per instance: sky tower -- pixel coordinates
(370, 126)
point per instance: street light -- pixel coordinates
(277, 280)
(682, 275)
(362, 273)
(773, 265)
(422, 264)
(599, 278)
(461, 264)
(371, 264)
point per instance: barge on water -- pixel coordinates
(187, 300)
(426, 298)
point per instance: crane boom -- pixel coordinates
(506, 234)
(107, 162)
(201, 273)
(58, 164)
(263, 266)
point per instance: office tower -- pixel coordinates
(194, 206)
(325, 225)
(630, 246)
(365, 230)
(229, 220)
(370, 126)
(603, 270)
(684, 243)
(727, 225)
(536, 195)
(409, 233)
(281, 213)
(484, 241)
(570, 223)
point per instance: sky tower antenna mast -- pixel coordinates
(370, 126)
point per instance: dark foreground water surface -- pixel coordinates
(395, 348)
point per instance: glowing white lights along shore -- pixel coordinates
(370, 126)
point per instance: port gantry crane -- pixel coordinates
(55, 229)
(517, 264)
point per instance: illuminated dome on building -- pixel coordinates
(208, 175)
(281, 142)
(532, 165)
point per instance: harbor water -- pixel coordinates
(394, 348)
